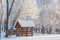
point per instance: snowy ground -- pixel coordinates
(45, 37)
(40, 37)
(35, 37)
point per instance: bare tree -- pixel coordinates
(8, 14)
(0, 15)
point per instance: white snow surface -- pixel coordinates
(25, 23)
(41, 37)
(36, 36)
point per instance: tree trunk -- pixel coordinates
(0, 16)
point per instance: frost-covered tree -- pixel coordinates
(49, 16)
(29, 7)
(46, 13)
(27, 10)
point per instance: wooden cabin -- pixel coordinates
(24, 28)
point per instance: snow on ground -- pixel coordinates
(2, 34)
(41, 37)
(36, 36)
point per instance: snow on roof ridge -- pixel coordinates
(25, 23)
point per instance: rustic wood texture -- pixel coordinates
(23, 31)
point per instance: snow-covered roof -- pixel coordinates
(25, 23)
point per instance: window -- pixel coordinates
(23, 29)
(30, 28)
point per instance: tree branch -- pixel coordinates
(11, 8)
